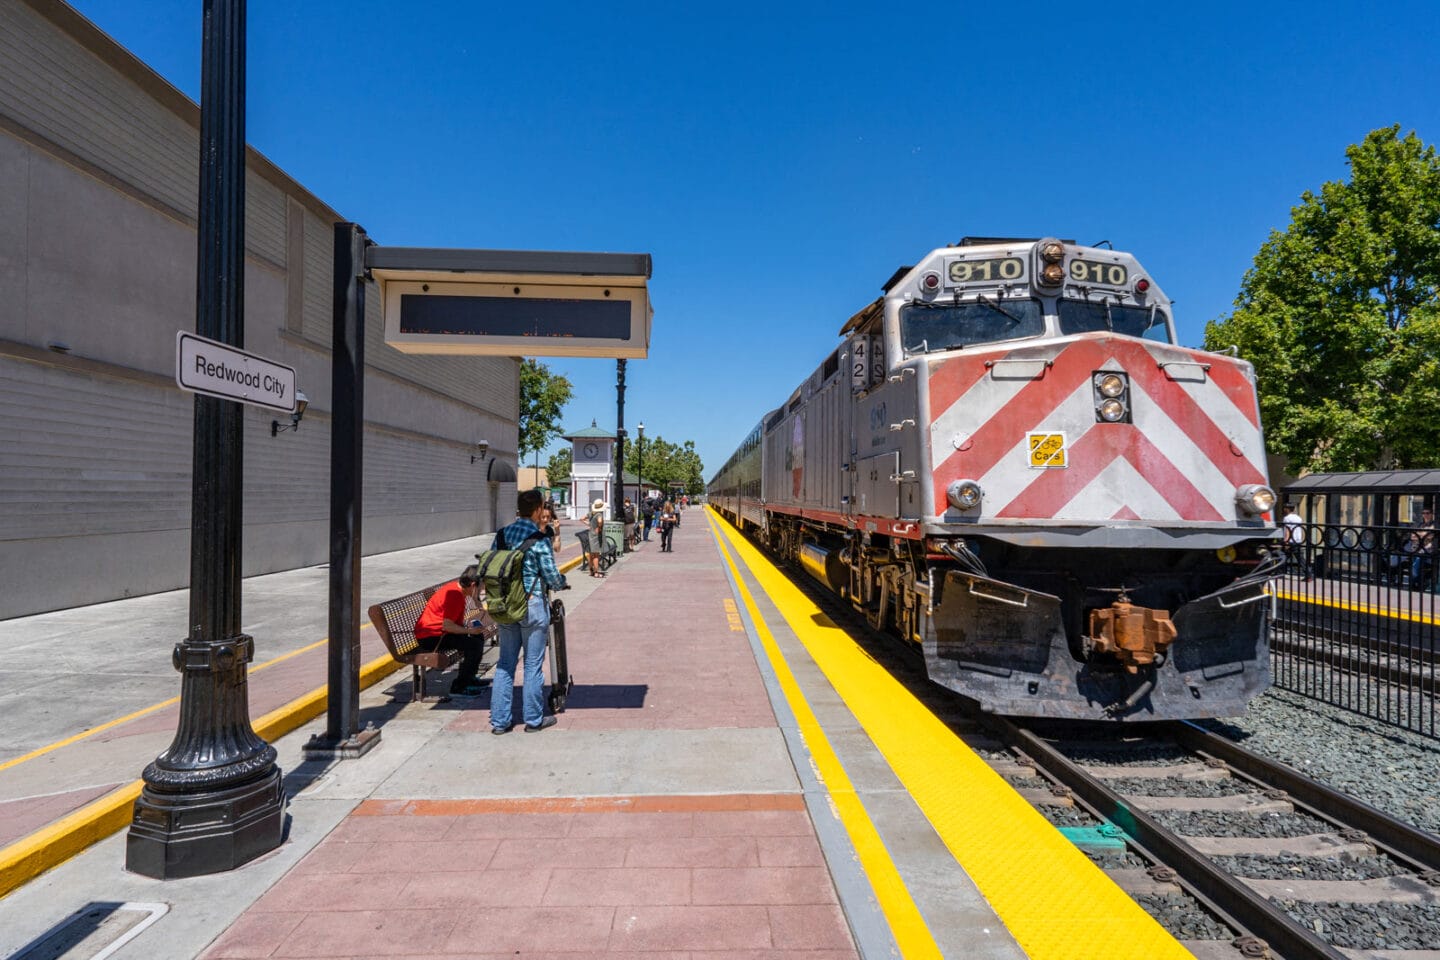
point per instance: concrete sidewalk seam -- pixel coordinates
(57, 842)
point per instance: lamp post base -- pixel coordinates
(322, 747)
(176, 835)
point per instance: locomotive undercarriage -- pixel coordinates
(1059, 632)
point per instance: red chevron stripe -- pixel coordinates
(1095, 451)
(952, 379)
(1026, 411)
(1228, 376)
(1192, 419)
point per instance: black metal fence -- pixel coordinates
(1357, 618)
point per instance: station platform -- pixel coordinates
(731, 778)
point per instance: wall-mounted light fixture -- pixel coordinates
(481, 448)
(301, 402)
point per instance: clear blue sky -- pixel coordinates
(780, 160)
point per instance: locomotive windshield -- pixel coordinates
(927, 327)
(1083, 316)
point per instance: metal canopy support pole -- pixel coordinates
(343, 736)
(620, 440)
(214, 799)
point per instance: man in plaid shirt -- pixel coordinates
(539, 575)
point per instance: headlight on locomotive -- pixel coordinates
(1051, 265)
(1110, 385)
(1255, 498)
(1112, 411)
(964, 494)
(1112, 396)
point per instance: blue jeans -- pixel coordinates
(532, 632)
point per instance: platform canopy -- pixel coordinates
(514, 303)
(1372, 481)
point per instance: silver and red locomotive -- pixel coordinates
(1009, 461)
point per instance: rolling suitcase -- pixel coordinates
(560, 679)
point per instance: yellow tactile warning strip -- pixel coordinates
(1054, 901)
(1370, 608)
(907, 926)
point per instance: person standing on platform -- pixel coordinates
(1295, 542)
(1422, 549)
(442, 624)
(668, 521)
(627, 513)
(595, 524)
(539, 576)
(551, 526)
(648, 508)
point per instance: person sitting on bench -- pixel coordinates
(442, 624)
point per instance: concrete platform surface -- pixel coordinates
(672, 812)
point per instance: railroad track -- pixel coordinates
(1406, 665)
(1200, 825)
(1395, 868)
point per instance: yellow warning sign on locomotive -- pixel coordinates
(1047, 451)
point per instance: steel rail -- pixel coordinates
(1398, 676)
(1380, 646)
(1228, 896)
(1403, 842)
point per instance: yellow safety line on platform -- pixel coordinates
(1054, 901)
(52, 845)
(1358, 607)
(907, 925)
(41, 751)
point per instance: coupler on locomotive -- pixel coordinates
(1022, 650)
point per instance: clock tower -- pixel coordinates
(592, 469)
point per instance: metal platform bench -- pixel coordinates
(395, 620)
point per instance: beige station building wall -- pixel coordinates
(98, 181)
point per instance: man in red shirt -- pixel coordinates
(442, 623)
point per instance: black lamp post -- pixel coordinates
(640, 461)
(214, 799)
(620, 439)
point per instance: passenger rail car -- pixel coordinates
(1010, 462)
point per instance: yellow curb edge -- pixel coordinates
(57, 842)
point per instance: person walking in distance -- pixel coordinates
(1295, 542)
(668, 520)
(530, 634)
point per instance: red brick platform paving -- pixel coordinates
(614, 877)
(657, 647)
(672, 877)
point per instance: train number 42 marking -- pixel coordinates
(1047, 451)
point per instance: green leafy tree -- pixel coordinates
(543, 396)
(665, 462)
(1340, 316)
(557, 468)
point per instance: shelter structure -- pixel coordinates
(1372, 498)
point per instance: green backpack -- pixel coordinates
(502, 572)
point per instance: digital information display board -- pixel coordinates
(513, 303)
